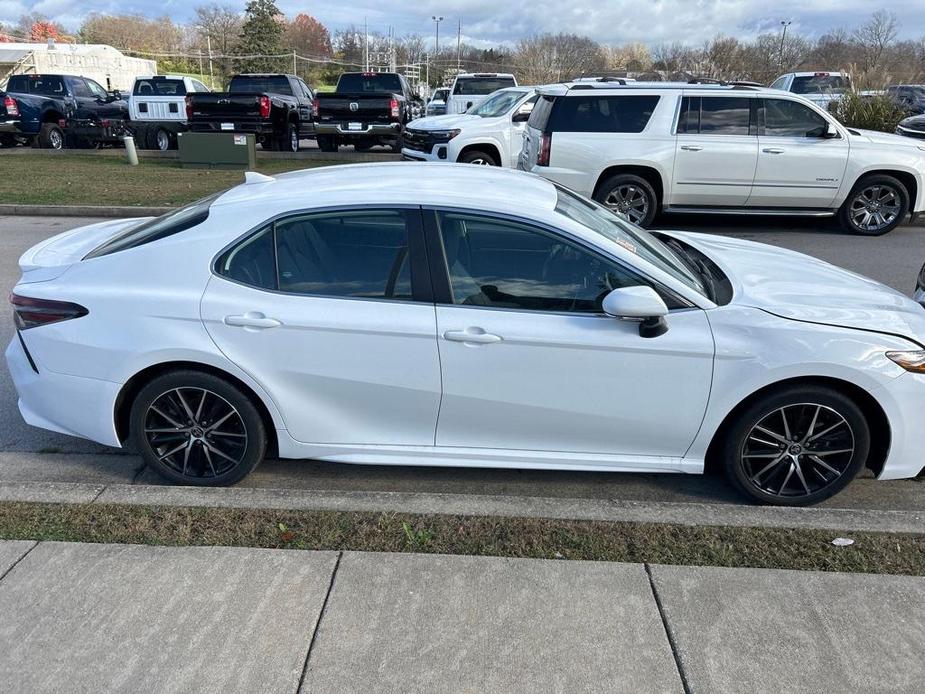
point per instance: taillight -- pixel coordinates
(542, 159)
(394, 107)
(12, 108)
(264, 107)
(189, 108)
(29, 312)
(314, 108)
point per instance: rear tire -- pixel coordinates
(631, 196)
(7, 141)
(875, 206)
(197, 429)
(289, 141)
(51, 136)
(778, 441)
(326, 143)
(479, 158)
(161, 140)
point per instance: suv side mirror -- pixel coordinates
(640, 303)
(520, 118)
(830, 131)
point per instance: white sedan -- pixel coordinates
(407, 314)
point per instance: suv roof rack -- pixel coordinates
(724, 83)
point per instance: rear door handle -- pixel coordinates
(475, 336)
(252, 319)
(773, 150)
(691, 148)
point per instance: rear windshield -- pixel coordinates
(159, 88)
(601, 114)
(539, 117)
(828, 84)
(157, 228)
(477, 86)
(440, 95)
(364, 82)
(260, 84)
(36, 84)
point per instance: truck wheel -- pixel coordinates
(875, 206)
(50, 137)
(7, 141)
(289, 142)
(326, 143)
(477, 157)
(630, 196)
(161, 140)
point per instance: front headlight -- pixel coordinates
(444, 135)
(910, 361)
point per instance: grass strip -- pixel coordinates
(39, 179)
(447, 534)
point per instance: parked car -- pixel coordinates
(413, 314)
(720, 149)
(157, 109)
(819, 87)
(56, 111)
(908, 96)
(913, 126)
(437, 104)
(490, 133)
(471, 89)
(275, 108)
(366, 109)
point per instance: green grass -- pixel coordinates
(74, 179)
(446, 534)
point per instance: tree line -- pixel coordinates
(261, 38)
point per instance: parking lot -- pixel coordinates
(28, 454)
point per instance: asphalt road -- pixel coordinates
(31, 454)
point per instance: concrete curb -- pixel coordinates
(80, 211)
(676, 513)
(341, 157)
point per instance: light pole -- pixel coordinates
(783, 35)
(437, 21)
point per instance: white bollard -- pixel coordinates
(130, 150)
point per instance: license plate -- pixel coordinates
(227, 126)
(354, 126)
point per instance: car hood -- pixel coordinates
(915, 122)
(442, 122)
(878, 138)
(799, 287)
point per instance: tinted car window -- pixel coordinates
(36, 84)
(475, 86)
(822, 84)
(252, 262)
(505, 264)
(260, 84)
(362, 82)
(789, 119)
(156, 87)
(689, 115)
(539, 117)
(80, 88)
(602, 114)
(723, 115)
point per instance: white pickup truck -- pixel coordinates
(157, 109)
(821, 88)
(472, 88)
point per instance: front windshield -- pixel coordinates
(634, 239)
(497, 104)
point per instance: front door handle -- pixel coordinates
(475, 336)
(252, 319)
(773, 150)
(691, 148)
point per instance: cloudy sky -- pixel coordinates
(493, 21)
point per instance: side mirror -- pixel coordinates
(638, 303)
(830, 131)
(520, 118)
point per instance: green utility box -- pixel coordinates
(217, 151)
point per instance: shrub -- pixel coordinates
(867, 112)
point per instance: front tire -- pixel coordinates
(478, 158)
(875, 206)
(326, 143)
(161, 140)
(631, 196)
(50, 137)
(289, 141)
(197, 429)
(797, 446)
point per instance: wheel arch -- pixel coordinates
(907, 178)
(880, 432)
(487, 147)
(53, 116)
(649, 173)
(133, 386)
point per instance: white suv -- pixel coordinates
(490, 134)
(718, 148)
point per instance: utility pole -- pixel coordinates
(211, 76)
(366, 33)
(783, 35)
(458, 37)
(295, 69)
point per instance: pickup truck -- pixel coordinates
(276, 108)
(56, 111)
(366, 109)
(157, 108)
(822, 88)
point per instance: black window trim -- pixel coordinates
(421, 283)
(440, 272)
(753, 109)
(762, 115)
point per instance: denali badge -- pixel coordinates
(354, 106)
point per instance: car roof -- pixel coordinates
(396, 183)
(579, 88)
(484, 74)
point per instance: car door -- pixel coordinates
(716, 151)
(331, 313)
(799, 166)
(530, 363)
(85, 105)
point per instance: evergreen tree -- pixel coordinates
(261, 34)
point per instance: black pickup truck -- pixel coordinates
(276, 108)
(56, 111)
(366, 109)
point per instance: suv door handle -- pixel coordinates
(475, 336)
(252, 319)
(691, 148)
(773, 150)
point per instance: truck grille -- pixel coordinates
(418, 140)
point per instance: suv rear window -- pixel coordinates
(260, 84)
(36, 84)
(477, 86)
(159, 87)
(361, 82)
(628, 113)
(819, 84)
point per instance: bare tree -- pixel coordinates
(555, 57)
(221, 24)
(874, 37)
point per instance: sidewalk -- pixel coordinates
(86, 618)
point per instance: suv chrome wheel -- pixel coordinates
(875, 207)
(798, 450)
(629, 200)
(195, 432)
